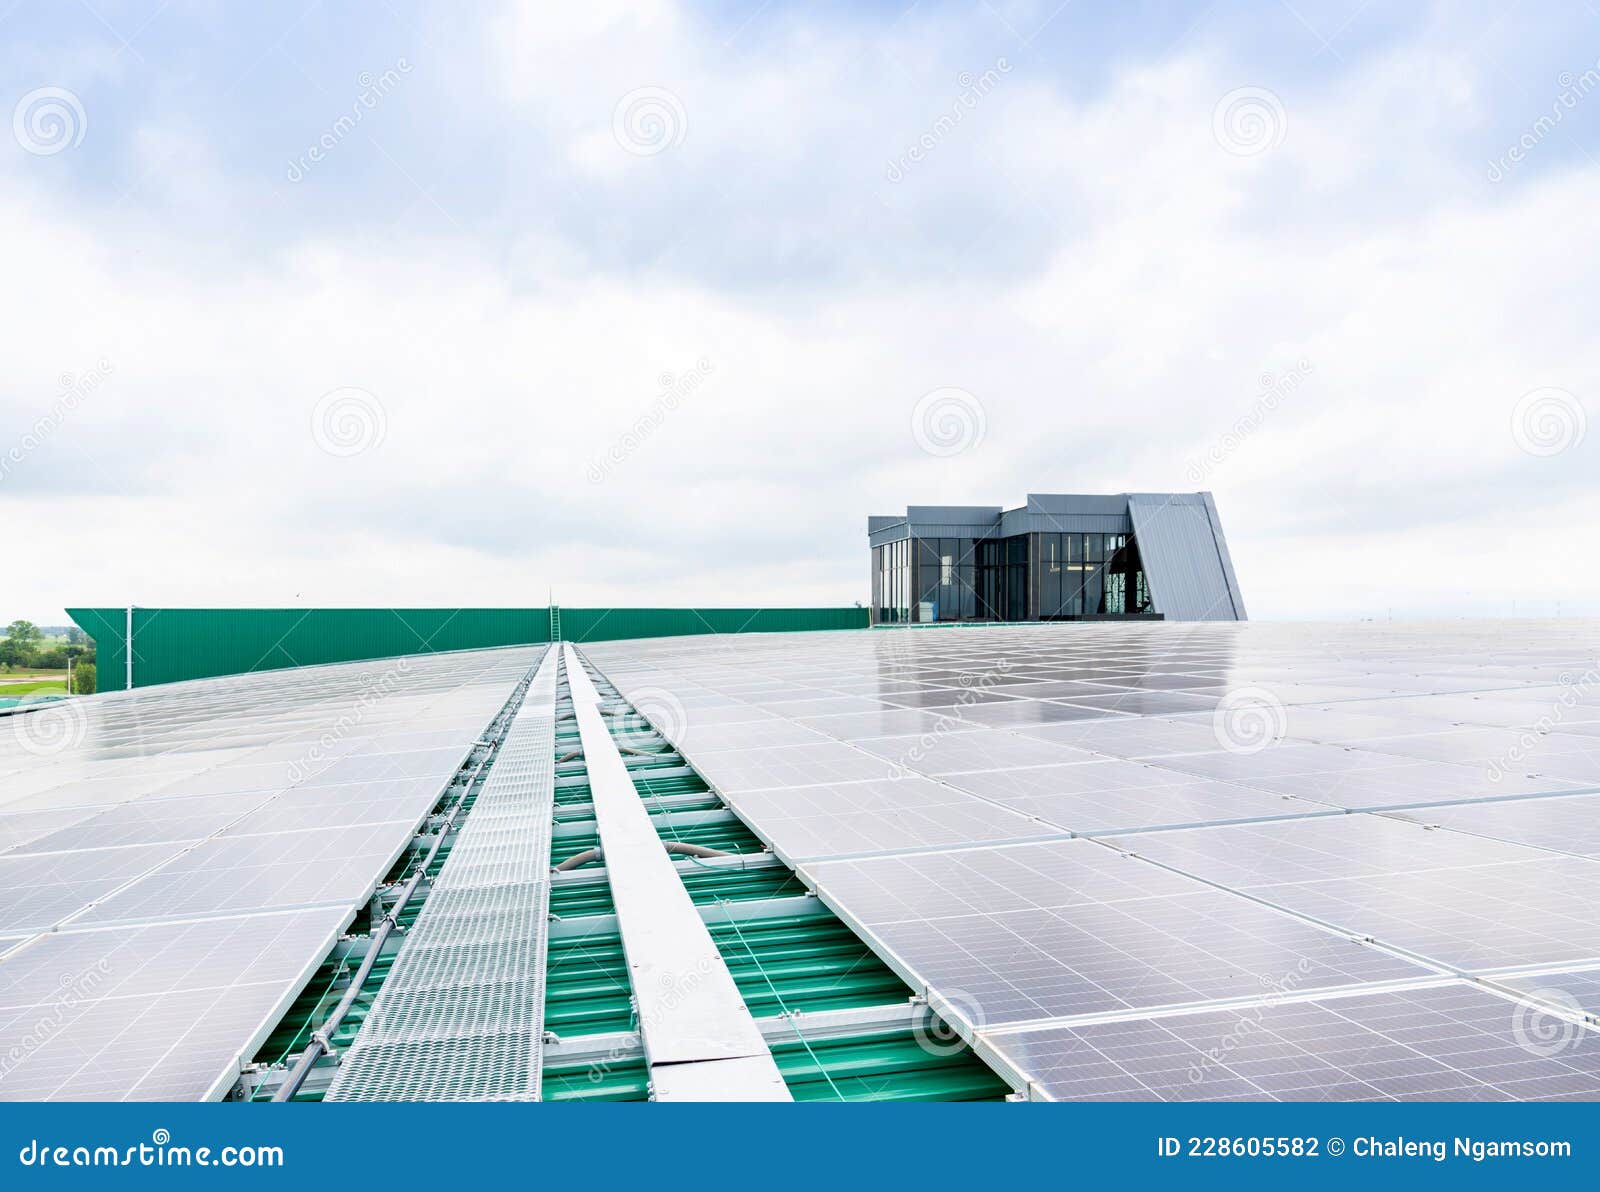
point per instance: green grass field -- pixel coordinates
(32, 687)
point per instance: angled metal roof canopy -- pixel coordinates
(1186, 560)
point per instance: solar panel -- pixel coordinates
(39, 891)
(897, 722)
(1463, 901)
(1568, 824)
(245, 873)
(1128, 732)
(182, 848)
(1065, 928)
(147, 821)
(22, 828)
(1132, 808)
(805, 823)
(955, 753)
(1449, 1043)
(157, 1012)
(1570, 991)
(1246, 856)
(790, 766)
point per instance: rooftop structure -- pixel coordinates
(1050, 862)
(1059, 557)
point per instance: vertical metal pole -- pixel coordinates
(127, 650)
(69, 674)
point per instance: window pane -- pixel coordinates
(1050, 575)
(1093, 592)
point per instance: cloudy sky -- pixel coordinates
(334, 303)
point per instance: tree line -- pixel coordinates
(25, 647)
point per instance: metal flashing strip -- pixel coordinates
(461, 1015)
(691, 1016)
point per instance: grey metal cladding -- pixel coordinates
(957, 515)
(953, 521)
(1089, 504)
(1023, 521)
(1225, 556)
(883, 529)
(1185, 557)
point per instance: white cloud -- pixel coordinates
(1109, 352)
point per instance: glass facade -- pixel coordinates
(945, 580)
(1090, 575)
(891, 582)
(1026, 577)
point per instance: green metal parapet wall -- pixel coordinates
(172, 644)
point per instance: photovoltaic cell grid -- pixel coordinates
(1373, 810)
(176, 861)
(1450, 1042)
(1070, 928)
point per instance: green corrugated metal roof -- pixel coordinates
(172, 644)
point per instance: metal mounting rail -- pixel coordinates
(460, 1016)
(700, 1040)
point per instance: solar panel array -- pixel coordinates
(1189, 860)
(176, 861)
